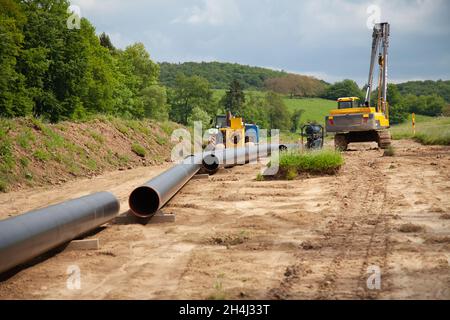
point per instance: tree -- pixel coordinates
(155, 102)
(255, 110)
(105, 42)
(234, 98)
(295, 120)
(346, 88)
(198, 114)
(188, 93)
(296, 86)
(278, 114)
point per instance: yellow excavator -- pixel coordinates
(356, 122)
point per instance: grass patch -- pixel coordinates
(97, 137)
(3, 186)
(260, 177)
(24, 162)
(120, 127)
(429, 131)
(320, 162)
(139, 150)
(26, 138)
(167, 127)
(41, 155)
(161, 140)
(92, 164)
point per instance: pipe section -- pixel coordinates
(27, 236)
(236, 156)
(146, 200)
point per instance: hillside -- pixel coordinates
(219, 74)
(34, 153)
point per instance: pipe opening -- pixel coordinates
(211, 163)
(144, 202)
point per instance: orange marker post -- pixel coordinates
(414, 122)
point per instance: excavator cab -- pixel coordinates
(348, 103)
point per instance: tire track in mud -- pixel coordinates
(356, 238)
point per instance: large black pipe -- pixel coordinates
(236, 156)
(27, 236)
(146, 200)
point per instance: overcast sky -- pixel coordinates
(325, 38)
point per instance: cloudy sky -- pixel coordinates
(329, 39)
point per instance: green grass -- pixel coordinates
(41, 155)
(161, 140)
(139, 150)
(315, 109)
(316, 162)
(260, 177)
(26, 138)
(97, 137)
(429, 131)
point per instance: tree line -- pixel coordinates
(219, 74)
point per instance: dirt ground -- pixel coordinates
(237, 238)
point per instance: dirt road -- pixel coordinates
(238, 238)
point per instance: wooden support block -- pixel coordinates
(88, 244)
(159, 217)
(201, 177)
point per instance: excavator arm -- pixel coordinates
(380, 47)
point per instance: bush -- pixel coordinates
(139, 150)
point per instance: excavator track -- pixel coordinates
(384, 139)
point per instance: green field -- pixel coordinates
(429, 131)
(315, 109)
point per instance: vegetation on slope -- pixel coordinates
(34, 153)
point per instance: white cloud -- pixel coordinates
(213, 12)
(119, 40)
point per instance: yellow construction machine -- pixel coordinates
(356, 122)
(234, 133)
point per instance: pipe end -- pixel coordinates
(144, 202)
